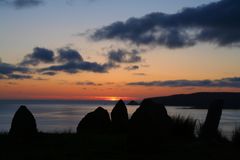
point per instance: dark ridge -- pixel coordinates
(201, 99)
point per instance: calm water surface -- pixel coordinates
(59, 116)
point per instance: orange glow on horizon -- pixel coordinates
(115, 98)
(52, 90)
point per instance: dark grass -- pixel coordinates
(236, 137)
(109, 146)
(219, 137)
(183, 144)
(64, 146)
(184, 127)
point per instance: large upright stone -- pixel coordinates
(23, 123)
(210, 126)
(119, 116)
(151, 117)
(96, 121)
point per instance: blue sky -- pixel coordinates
(54, 22)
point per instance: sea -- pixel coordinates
(64, 115)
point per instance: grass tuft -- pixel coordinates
(236, 136)
(184, 127)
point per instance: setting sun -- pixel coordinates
(115, 98)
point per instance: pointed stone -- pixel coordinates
(119, 116)
(96, 121)
(23, 123)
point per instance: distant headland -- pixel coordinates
(201, 99)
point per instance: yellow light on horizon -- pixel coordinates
(115, 98)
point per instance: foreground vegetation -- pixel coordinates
(115, 146)
(150, 133)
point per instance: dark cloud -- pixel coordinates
(89, 83)
(74, 67)
(26, 3)
(124, 56)
(9, 71)
(217, 23)
(19, 4)
(49, 73)
(6, 69)
(145, 65)
(67, 60)
(131, 68)
(69, 55)
(139, 74)
(225, 82)
(19, 76)
(39, 55)
(14, 77)
(40, 79)
(11, 83)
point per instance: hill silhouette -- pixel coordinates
(201, 99)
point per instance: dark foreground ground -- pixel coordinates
(110, 147)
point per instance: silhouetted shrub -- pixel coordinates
(236, 137)
(184, 127)
(219, 137)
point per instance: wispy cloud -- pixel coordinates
(20, 4)
(88, 83)
(75, 67)
(131, 68)
(15, 76)
(10, 71)
(6, 68)
(233, 82)
(139, 74)
(49, 73)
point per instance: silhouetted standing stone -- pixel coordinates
(119, 116)
(149, 126)
(23, 123)
(210, 126)
(133, 103)
(151, 116)
(96, 121)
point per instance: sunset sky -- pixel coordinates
(107, 49)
